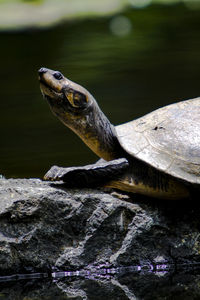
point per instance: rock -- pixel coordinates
(44, 226)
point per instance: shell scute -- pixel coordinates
(167, 139)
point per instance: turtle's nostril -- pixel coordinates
(42, 71)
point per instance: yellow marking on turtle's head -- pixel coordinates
(76, 98)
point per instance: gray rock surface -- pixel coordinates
(43, 225)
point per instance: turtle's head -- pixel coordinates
(78, 110)
(70, 102)
(65, 97)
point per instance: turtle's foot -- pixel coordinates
(90, 175)
(55, 173)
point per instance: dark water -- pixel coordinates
(113, 284)
(157, 63)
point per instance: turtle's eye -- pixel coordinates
(57, 75)
(77, 99)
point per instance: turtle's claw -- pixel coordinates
(55, 173)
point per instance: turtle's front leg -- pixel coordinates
(89, 176)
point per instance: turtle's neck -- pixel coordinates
(98, 133)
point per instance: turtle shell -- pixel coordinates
(167, 139)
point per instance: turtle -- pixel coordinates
(157, 155)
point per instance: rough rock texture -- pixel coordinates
(43, 225)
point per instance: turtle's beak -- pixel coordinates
(42, 71)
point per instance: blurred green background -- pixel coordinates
(133, 56)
